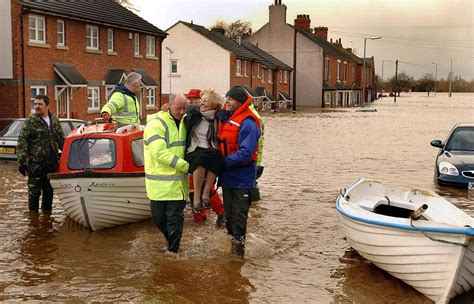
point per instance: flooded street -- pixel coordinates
(296, 252)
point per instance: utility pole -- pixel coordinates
(450, 78)
(436, 75)
(396, 80)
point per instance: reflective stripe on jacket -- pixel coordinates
(123, 108)
(166, 170)
(228, 135)
(262, 133)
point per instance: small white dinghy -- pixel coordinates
(416, 236)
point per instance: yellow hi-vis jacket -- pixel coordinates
(261, 139)
(123, 108)
(166, 171)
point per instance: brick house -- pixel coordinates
(327, 75)
(200, 58)
(75, 52)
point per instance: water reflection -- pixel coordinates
(219, 280)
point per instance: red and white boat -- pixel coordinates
(101, 181)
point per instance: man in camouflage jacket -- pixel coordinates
(40, 140)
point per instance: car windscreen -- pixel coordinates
(462, 139)
(13, 129)
(92, 153)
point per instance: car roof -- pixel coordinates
(464, 124)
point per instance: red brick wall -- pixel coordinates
(93, 67)
(242, 79)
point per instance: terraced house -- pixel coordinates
(75, 52)
(201, 58)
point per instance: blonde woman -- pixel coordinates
(202, 151)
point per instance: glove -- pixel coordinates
(23, 169)
(105, 116)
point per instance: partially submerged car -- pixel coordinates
(455, 160)
(9, 135)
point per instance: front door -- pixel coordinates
(62, 101)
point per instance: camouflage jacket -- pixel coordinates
(38, 145)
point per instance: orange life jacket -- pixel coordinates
(228, 134)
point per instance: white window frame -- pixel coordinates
(151, 98)
(285, 76)
(327, 98)
(245, 68)
(281, 76)
(110, 40)
(92, 35)
(60, 33)
(238, 67)
(93, 100)
(37, 88)
(258, 71)
(270, 76)
(136, 44)
(150, 46)
(37, 29)
(338, 71)
(346, 71)
(326, 68)
(176, 64)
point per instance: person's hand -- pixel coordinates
(23, 169)
(105, 116)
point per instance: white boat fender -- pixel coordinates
(415, 215)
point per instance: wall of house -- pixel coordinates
(93, 66)
(242, 78)
(276, 38)
(201, 63)
(6, 51)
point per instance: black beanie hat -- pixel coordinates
(238, 93)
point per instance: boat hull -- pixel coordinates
(99, 202)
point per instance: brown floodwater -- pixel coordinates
(296, 252)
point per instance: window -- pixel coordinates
(285, 77)
(92, 37)
(36, 90)
(93, 99)
(270, 76)
(326, 69)
(281, 76)
(258, 71)
(174, 66)
(37, 29)
(353, 73)
(110, 40)
(60, 33)
(338, 71)
(92, 153)
(150, 46)
(245, 68)
(150, 98)
(345, 71)
(137, 44)
(238, 68)
(263, 74)
(138, 154)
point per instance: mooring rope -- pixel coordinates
(434, 239)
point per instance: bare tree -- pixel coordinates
(127, 4)
(403, 83)
(426, 83)
(234, 30)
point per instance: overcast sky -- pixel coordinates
(417, 33)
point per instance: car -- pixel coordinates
(455, 161)
(9, 135)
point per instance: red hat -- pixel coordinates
(194, 93)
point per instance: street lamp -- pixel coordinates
(363, 69)
(171, 67)
(436, 74)
(450, 73)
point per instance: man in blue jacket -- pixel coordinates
(239, 131)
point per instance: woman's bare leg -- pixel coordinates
(210, 180)
(198, 179)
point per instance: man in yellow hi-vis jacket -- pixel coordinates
(123, 104)
(166, 171)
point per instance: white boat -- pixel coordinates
(100, 181)
(434, 253)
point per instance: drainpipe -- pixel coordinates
(294, 72)
(24, 11)
(161, 70)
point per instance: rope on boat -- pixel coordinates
(436, 240)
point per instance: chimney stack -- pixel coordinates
(303, 22)
(322, 32)
(338, 43)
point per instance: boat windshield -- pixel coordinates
(92, 153)
(137, 152)
(462, 139)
